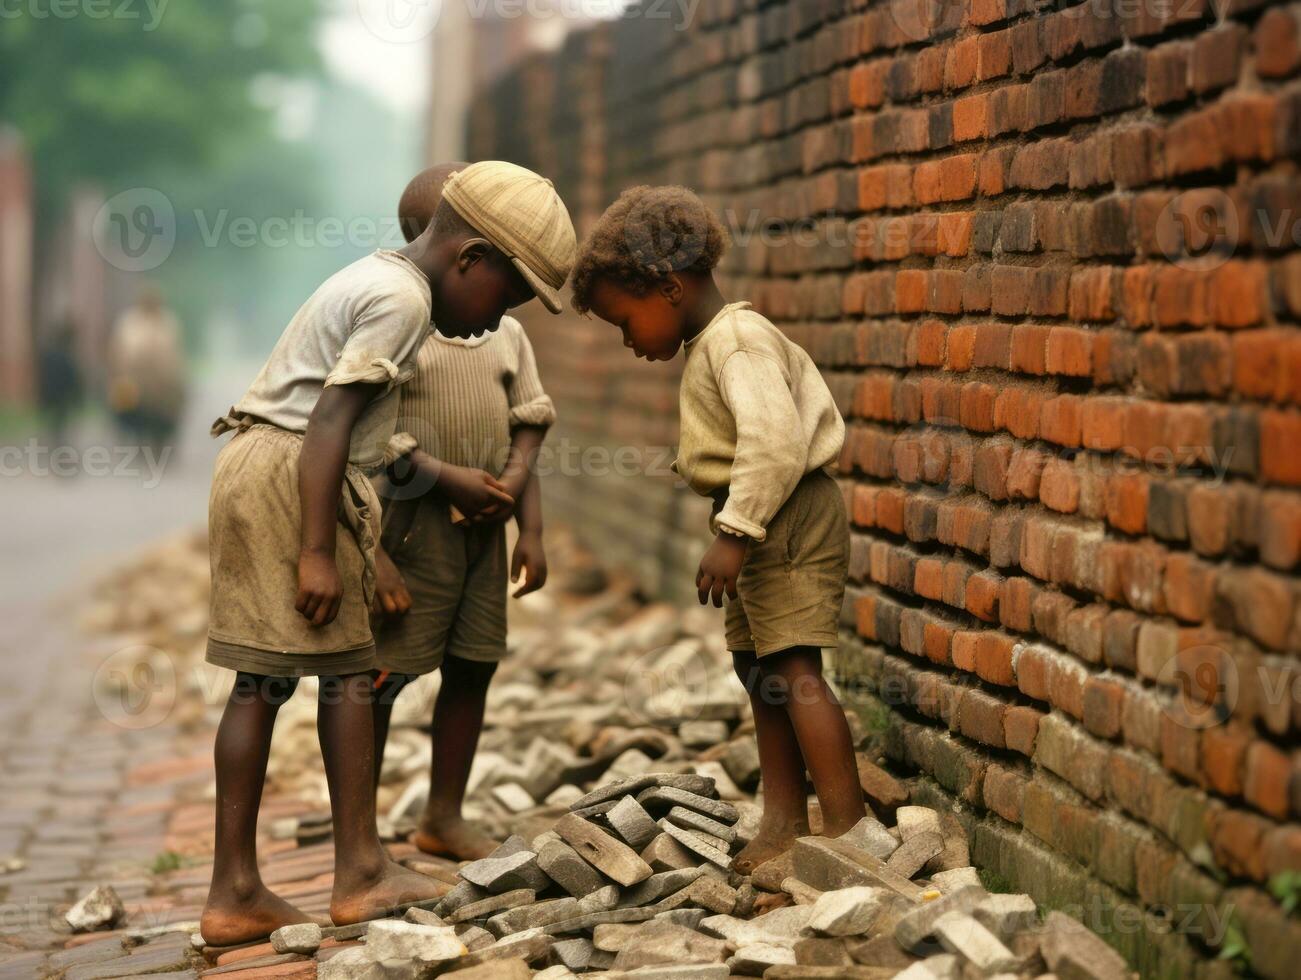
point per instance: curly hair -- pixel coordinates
(644, 236)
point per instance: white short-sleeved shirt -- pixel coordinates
(364, 324)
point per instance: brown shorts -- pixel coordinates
(792, 583)
(456, 574)
(254, 525)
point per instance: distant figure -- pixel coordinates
(146, 370)
(59, 379)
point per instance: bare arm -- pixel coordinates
(525, 442)
(529, 558)
(321, 464)
(528, 511)
(473, 492)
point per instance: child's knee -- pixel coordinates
(460, 674)
(747, 669)
(265, 688)
(795, 674)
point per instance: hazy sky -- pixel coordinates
(383, 46)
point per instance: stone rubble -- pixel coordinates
(619, 767)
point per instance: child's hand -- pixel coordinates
(720, 568)
(478, 495)
(529, 557)
(320, 589)
(391, 595)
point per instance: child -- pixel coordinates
(758, 426)
(290, 593)
(473, 404)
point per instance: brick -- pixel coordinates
(1004, 792)
(1216, 57)
(1280, 433)
(1265, 784)
(981, 718)
(970, 118)
(1020, 727)
(1224, 751)
(1127, 501)
(1277, 42)
(1104, 700)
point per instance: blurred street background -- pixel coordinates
(221, 159)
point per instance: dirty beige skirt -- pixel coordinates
(254, 525)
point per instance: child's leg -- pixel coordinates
(366, 883)
(387, 687)
(785, 809)
(823, 734)
(458, 720)
(239, 907)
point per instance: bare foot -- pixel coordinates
(454, 838)
(229, 920)
(360, 897)
(774, 838)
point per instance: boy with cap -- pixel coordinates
(290, 593)
(475, 405)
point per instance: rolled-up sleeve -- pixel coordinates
(400, 444)
(529, 404)
(771, 453)
(382, 345)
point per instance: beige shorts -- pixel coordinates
(254, 525)
(792, 583)
(456, 574)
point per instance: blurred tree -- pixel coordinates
(113, 90)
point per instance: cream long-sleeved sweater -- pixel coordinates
(756, 417)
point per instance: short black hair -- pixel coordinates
(422, 200)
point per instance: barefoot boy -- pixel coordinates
(290, 589)
(758, 426)
(473, 405)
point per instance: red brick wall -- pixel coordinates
(1047, 257)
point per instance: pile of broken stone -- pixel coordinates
(635, 881)
(618, 761)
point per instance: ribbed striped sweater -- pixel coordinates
(468, 395)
